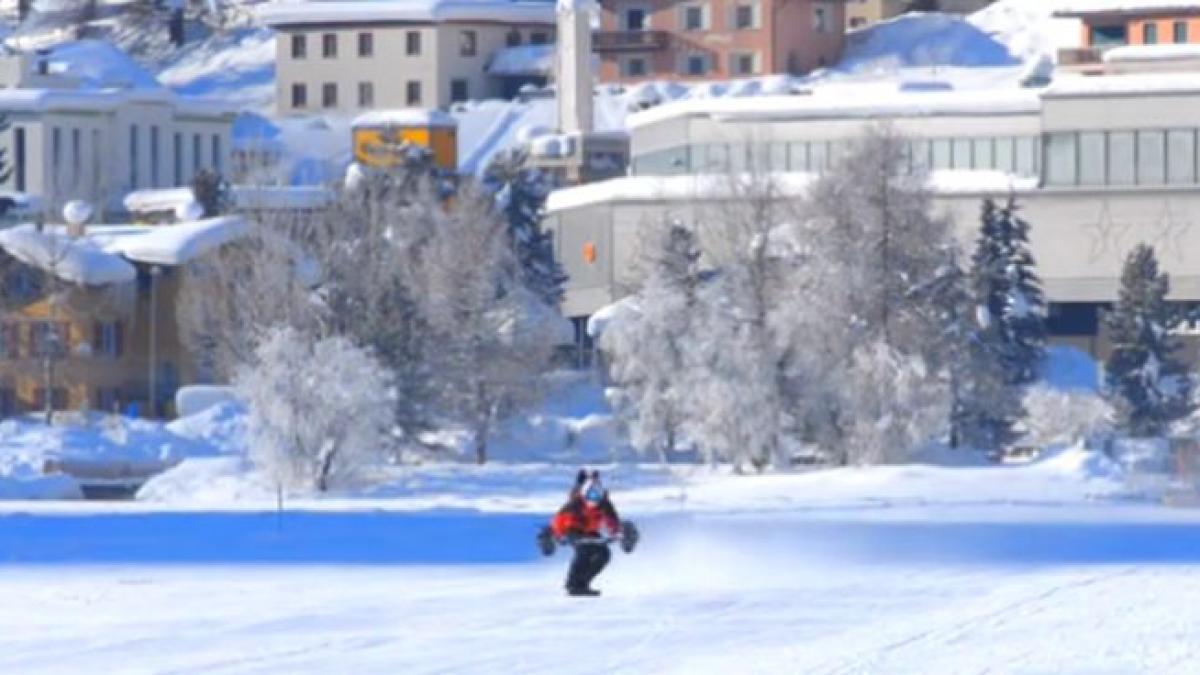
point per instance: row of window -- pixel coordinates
(698, 65)
(698, 17)
(1016, 155)
(37, 339)
(1128, 157)
(468, 43)
(1116, 35)
(459, 91)
(178, 140)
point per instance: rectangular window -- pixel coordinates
(1092, 158)
(1122, 158)
(106, 339)
(1150, 33)
(1062, 166)
(467, 43)
(366, 45)
(458, 90)
(918, 157)
(981, 151)
(329, 95)
(1181, 156)
(366, 95)
(743, 17)
(693, 17)
(19, 157)
(133, 156)
(1151, 158)
(10, 340)
(821, 19)
(1109, 36)
(696, 65)
(299, 46)
(76, 157)
(818, 156)
(961, 147)
(634, 67)
(714, 158)
(512, 38)
(942, 153)
(96, 159)
(299, 96)
(412, 93)
(217, 164)
(412, 43)
(329, 45)
(154, 173)
(1027, 156)
(798, 156)
(1179, 32)
(177, 151)
(742, 64)
(539, 38)
(48, 338)
(56, 151)
(635, 18)
(197, 157)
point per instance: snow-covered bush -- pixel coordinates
(320, 411)
(894, 405)
(1058, 417)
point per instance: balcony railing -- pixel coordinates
(1080, 56)
(629, 40)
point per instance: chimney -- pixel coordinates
(573, 66)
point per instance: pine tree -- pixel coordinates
(211, 192)
(1149, 386)
(1025, 305)
(520, 192)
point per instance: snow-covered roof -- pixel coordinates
(424, 11)
(105, 253)
(523, 61)
(98, 64)
(1133, 53)
(1124, 84)
(35, 100)
(1086, 7)
(244, 196)
(690, 187)
(873, 103)
(414, 117)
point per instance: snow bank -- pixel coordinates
(196, 398)
(220, 427)
(922, 40)
(1157, 52)
(209, 481)
(238, 66)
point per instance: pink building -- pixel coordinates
(716, 39)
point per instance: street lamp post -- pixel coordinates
(152, 397)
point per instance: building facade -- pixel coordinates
(1097, 164)
(356, 56)
(63, 142)
(1116, 33)
(643, 40)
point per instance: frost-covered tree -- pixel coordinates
(1065, 417)
(651, 347)
(520, 192)
(319, 411)
(1147, 383)
(898, 404)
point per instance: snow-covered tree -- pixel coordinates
(520, 191)
(1147, 383)
(1065, 417)
(320, 411)
(651, 347)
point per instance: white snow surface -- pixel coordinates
(77, 261)
(1157, 52)
(406, 117)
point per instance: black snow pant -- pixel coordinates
(590, 559)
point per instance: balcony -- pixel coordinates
(629, 40)
(1080, 56)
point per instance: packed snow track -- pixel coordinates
(1087, 589)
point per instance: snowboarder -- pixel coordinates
(589, 523)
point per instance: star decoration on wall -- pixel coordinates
(1170, 230)
(1106, 234)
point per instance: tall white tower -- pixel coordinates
(573, 66)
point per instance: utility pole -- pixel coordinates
(152, 397)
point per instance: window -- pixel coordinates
(962, 157)
(635, 18)
(539, 38)
(197, 158)
(299, 96)
(217, 164)
(941, 153)
(8, 401)
(1181, 156)
(1027, 156)
(1061, 166)
(1121, 154)
(106, 339)
(133, 156)
(743, 17)
(742, 64)
(299, 47)
(177, 151)
(76, 156)
(58, 396)
(693, 17)
(329, 45)
(512, 38)
(695, 65)
(56, 151)
(1150, 33)
(10, 340)
(412, 93)
(1151, 158)
(467, 43)
(634, 67)
(366, 95)
(857, 22)
(366, 45)
(818, 156)
(96, 158)
(412, 43)
(48, 338)
(981, 152)
(19, 157)
(458, 90)
(154, 173)
(1092, 158)
(329, 95)
(821, 19)
(1109, 36)
(1179, 32)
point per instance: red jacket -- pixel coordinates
(579, 517)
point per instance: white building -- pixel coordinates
(71, 140)
(356, 55)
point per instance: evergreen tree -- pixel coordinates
(211, 192)
(520, 192)
(1149, 386)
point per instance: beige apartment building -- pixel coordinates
(357, 55)
(863, 13)
(716, 39)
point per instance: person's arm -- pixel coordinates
(611, 519)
